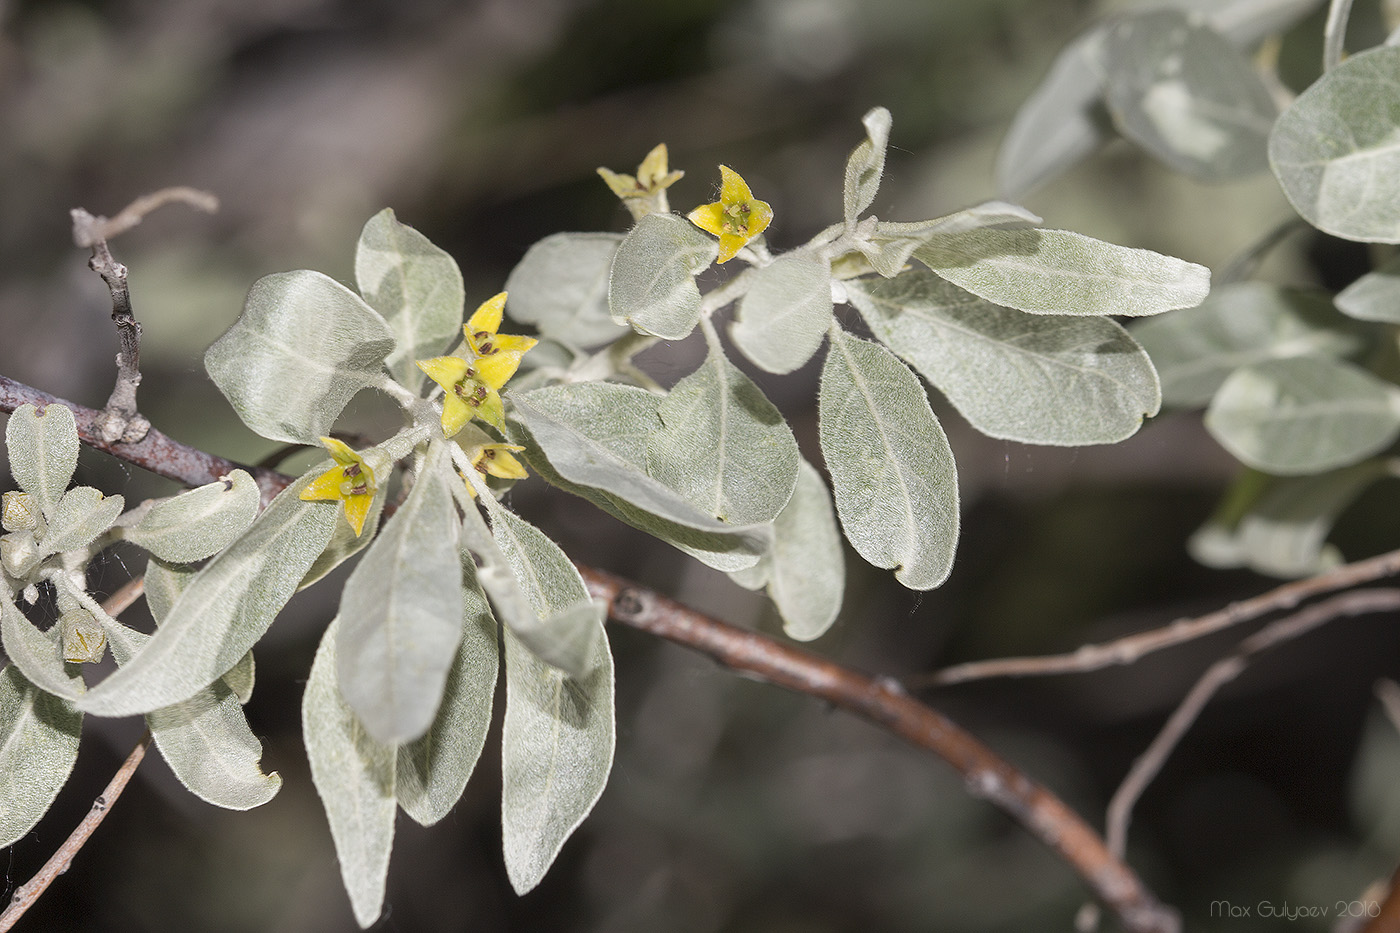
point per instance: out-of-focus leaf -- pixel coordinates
(652, 284)
(561, 287)
(1375, 296)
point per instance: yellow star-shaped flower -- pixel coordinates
(736, 218)
(652, 178)
(350, 481)
(497, 460)
(472, 385)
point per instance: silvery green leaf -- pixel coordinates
(723, 445)
(556, 751)
(783, 317)
(240, 677)
(1303, 415)
(652, 283)
(1195, 349)
(594, 439)
(807, 567)
(561, 286)
(1059, 272)
(415, 286)
(303, 347)
(205, 739)
(1060, 123)
(1334, 151)
(354, 776)
(43, 452)
(345, 543)
(866, 164)
(566, 623)
(401, 610)
(197, 523)
(163, 584)
(82, 514)
(226, 607)
(1036, 379)
(892, 471)
(1284, 533)
(433, 770)
(38, 745)
(1375, 296)
(36, 654)
(1180, 90)
(891, 244)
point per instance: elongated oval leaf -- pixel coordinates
(652, 283)
(866, 164)
(557, 747)
(401, 611)
(561, 286)
(807, 568)
(1304, 415)
(200, 522)
(1059, 272)
(225, 609)
(37, 654)
(43, 452)
(206, 739)
(891, 468)
(354, 776)
(891, 245)
(304, 345)
(1375, 296)
(1180, 90)
(415, 286)
(784, 315)
(82, 514)
(723, 445)
(1195, 349)
(433, 770)
(1334, 150)
(1036, 379)
(38, 745)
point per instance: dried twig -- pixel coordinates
(1129, 649)
(120, 421)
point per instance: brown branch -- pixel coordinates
(1129, 649)
(884, 702)
(1149, 763)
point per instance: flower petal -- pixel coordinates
(446, 371)
(340, 451)
(502, 464)
(488, 316)
(732, 187)
(325, 487)
(455, 413)
(708, 217)
(356, 508)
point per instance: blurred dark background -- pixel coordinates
(733, 806)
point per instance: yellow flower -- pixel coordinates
(652, 178)
(736, 218)
(350, 481)
(472, 386)
(497, 460)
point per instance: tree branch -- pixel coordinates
(881, 700)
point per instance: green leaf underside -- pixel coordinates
(652, 283)
(723, 446)
(206, 739)
(782, 319)
(38, 746)
(594, 437)
(806, 570)
(415, 286)
(43, 451)
(1067, 381)
(82, 514)
(892, 470)
(224, 609)
(198, 523)
(866, 164)
(566, 633)
(37, 654)
(1375, 296)
(401, 610)
(1181, 91)
(1240, 324)
(433, 770)
(1303, 415)
(561, 287)
(1059, 272)
(354, 776)
(1335, 150)
(557, 747)
(303, 347)
(891, 245)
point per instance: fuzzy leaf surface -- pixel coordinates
(43, 452)
(652, 283)
(866, 164)
(782, 319)
(560, 285)
(38, 745)
(196, 524)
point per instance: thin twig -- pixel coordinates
(1149, 763)
(1129, 649)
(26, 894)
(884, 702)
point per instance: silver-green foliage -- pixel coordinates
(38, 745)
